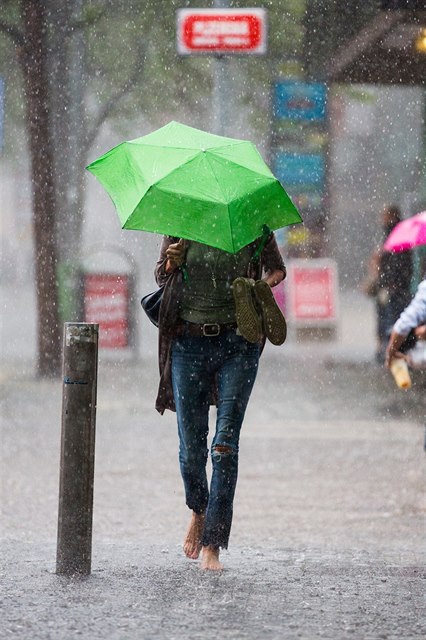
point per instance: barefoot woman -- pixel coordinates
(204, 359)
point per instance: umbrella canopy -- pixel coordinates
(407, 234)
(184, 182)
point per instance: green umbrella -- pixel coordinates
(184, 182)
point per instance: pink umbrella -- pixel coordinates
(407, 234)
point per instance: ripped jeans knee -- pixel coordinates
(225, 450)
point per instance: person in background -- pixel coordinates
(389, 282)
(413, 318)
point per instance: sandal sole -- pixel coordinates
(247, 318)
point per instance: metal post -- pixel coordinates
(222, 88)
(223, 96)
(80, 364)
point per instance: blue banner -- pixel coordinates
(307, 169)
(300, 101)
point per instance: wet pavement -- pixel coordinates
(328, 533)
(144, 591)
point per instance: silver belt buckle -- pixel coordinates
(211, 330)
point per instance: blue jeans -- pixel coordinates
(197, 362)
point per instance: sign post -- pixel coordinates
(1, 113)
(221, 32)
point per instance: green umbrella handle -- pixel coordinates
(266, 232)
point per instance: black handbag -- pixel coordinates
(151, 304)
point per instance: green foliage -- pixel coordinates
(10, 72)
(131, 51)
(133, 45)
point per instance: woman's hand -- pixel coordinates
(274, 277)
(175, 255)
(420, 332)
(392, 349)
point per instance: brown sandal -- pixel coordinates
(274, 322)
(246, 315)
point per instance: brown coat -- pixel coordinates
(270, 260)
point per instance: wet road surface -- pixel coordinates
(328, 533)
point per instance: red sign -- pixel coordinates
(312, 287)
(106, 302)
(221, 31)
(279, 295)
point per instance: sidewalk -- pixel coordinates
(355, 336)
(328, 532)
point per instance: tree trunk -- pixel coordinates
(35, 71)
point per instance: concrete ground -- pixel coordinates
(328, 532)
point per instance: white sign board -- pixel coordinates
(312, 292)
(221, 31)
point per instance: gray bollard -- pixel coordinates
(80, 365)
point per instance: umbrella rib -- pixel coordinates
(228, 160)
(187, 161)
(272, 178)
(224, 198)
(199, 152)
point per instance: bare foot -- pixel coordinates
(192, 542)
(210, 559)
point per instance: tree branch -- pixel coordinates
(91, 17)
(13, 31)
(111, 103)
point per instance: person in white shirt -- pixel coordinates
(412, 318)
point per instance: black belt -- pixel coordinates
(207, 330)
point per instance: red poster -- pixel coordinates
(279, 295)
(106, 302)
(312, 286)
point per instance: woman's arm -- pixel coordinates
(273, 263)
(172, 254)
(160, 272)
